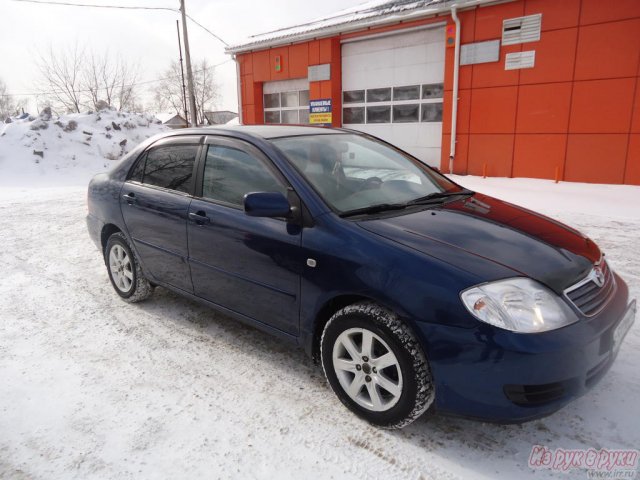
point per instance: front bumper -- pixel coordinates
(500, 376)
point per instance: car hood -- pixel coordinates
(481, 234)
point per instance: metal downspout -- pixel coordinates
(454, 93)
(239, 89)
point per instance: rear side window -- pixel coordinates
(169, 167)
(230, 173)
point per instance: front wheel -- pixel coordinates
(376, 366)
(124, 270)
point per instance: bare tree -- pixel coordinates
(72, 79)
(168, 92)
(110, 80)
(61, 82)
(206, 89)
(9, 105)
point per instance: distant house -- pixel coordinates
(172, 120)
(220, 117)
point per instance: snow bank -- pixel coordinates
(560, 199)
(70, 149)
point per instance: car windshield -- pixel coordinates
(354, 173)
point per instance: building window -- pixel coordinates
(353, 96)
(379, 114)
(378, 95)
(432, 112)
(433, 90)
(272, 100)
(353, 115)
(406, 93)
(402, 104)
(408, 113)
(290, 107)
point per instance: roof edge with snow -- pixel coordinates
(374, 13)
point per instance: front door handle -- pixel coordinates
(130, 198)
(199, 217)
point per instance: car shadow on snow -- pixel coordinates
(467, 442)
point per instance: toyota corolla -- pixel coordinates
(413, 292)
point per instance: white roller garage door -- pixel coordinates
(393, 87)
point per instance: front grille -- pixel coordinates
(532, 395)
(592, 293)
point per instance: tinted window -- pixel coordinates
(230, 173)
(171, 167)
(137, 171)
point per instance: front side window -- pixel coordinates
(352, 172)
(230, 173)
(169, 167)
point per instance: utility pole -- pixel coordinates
(184, 88)
(187, 57)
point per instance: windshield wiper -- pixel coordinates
(381, 207)
(426, 200)
(437, 196)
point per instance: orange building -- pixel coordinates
(526, 88)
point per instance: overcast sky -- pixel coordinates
(147, 37)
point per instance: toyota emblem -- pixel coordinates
(598, 276)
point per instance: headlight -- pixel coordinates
(518, 304)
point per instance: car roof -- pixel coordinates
(262, 131)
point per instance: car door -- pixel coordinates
(247, 264)
(155, 201)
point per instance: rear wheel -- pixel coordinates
(124, 270)
(376, 366)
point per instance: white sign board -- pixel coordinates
(515, 61)
(480, 52)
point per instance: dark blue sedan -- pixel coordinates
(413, 292)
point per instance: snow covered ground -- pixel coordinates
(94, 388)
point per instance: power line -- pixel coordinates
(122, 7)
(53, 92)
(207, 30)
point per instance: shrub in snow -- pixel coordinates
(45, 114)
(39, 125)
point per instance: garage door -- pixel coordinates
(286, 101)
(393, 87)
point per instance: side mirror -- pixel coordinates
(266, 204)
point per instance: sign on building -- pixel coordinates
(320, 112)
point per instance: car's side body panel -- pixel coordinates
(156, 221)
(249, 265)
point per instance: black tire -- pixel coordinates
(136, 288)
(410, 375)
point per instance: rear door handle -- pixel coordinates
(199, 217)
(130, 198)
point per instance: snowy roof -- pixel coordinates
(372, 12)
(169, 117)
